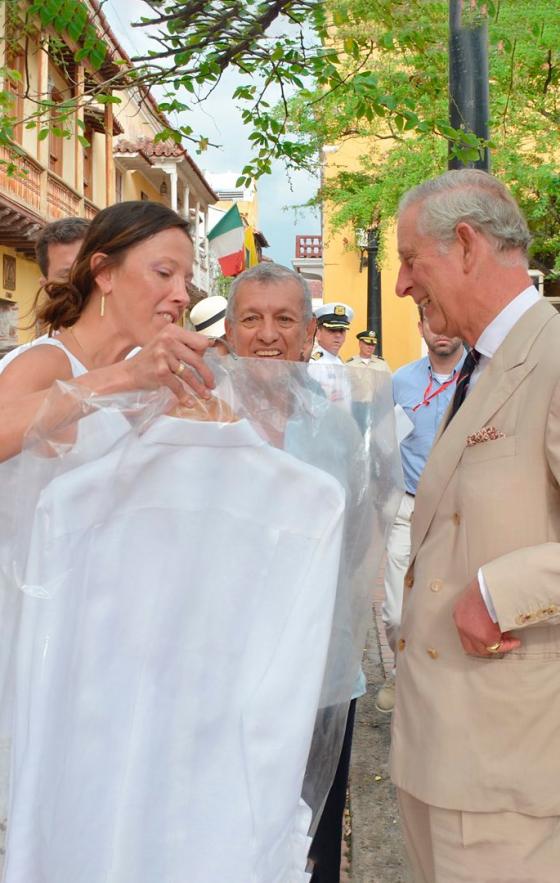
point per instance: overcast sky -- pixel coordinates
(220, 121)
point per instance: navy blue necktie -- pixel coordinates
(470, 363)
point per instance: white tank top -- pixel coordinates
(75, 364)
(8, 468)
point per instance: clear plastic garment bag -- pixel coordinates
(189, 594)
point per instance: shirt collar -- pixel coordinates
(452, 373)
(496, 332)
(181, 431)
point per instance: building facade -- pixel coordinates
(104, 153)
(345, 276)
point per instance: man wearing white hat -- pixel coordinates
(208, 316)
(333, 321)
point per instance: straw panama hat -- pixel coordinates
(208, 314)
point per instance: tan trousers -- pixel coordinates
(449, 846)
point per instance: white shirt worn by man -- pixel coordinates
(487, 344)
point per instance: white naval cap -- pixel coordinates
(334, 315)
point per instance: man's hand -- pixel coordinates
(476, 629)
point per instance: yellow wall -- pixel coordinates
(343, 281)
(135, 183)
(99, 196)
(68, 144)
(27, 285)
(29, 136)
(136, 122)
(401, 340)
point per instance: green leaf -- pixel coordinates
(107, 99)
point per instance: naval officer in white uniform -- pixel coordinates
(333, 322)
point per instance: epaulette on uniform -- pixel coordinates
(316, 356)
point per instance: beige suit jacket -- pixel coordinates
(471, 733)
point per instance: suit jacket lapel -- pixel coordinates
(499, 380)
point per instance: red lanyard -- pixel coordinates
(429, 395)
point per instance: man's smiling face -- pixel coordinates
(268, 322)
(432, 276)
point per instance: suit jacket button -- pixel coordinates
(436, 585)
(409, 581)
(456, 518)
(431, 651)
(402, 644)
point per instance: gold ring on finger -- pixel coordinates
(180, 369)
(495, 648)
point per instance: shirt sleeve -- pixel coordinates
(486, 596)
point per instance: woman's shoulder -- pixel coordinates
(36, 367)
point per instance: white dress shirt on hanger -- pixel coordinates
(176, 589)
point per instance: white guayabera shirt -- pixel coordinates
(162, 721)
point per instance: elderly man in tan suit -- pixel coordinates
(476, 727)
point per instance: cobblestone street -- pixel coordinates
(374, 851)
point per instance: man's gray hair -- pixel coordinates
(267, 273)
(474, 197)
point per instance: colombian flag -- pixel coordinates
(251, 256)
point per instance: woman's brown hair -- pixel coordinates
(112, 232)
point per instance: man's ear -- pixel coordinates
(310, 330)
(228, 328)
(468, 240)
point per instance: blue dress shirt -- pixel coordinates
(410, 386)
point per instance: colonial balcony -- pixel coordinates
(309, 256)
(20, 202)
(201, 279)
(25, 184)
(90, 210)
(62, 200)
(30, 198)
(309, 247)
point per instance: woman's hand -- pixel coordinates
(174, 358)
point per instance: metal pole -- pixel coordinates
(374, 289)
(468, 77)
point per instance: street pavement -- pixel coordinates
(374, 851)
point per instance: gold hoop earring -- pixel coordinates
(102, 306)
